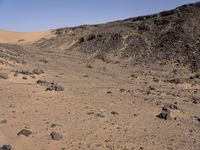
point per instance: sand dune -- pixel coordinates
(22, 37)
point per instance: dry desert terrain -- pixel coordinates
(126, 85)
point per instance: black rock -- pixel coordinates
(175, 81)
(50, 86)
(195, 100)
(43, 61)
(198, 119)
(43, 83)
(122, 90)
(141, 148)
(24, 132)
(38, 71)
(114, 113)
(164, 115)
(151, 88)
(53, 125)
(3, 121)
(109, 92)
(55, 87)
(25, 72)
(56, 136)
(169, 106)
(6, 147)
(89, 66)
(97, 114)
(86, 76)
(24, 78)
(197, 76)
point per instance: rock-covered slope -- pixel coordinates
(167, 37)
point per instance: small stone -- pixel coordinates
(155, 80)
(33, 76)
(3, 75)
(109, 92)
(25, 72)
(53, 125)
(195, 100)
(169, 106)
(38, 71)
(164, 115)
(43, 83)
(175, 81)
(197, 76)
(15, 74)
(90, 113)
(151, 88)
(141, 148)
(114, 113)
(24, 78)
(133, 76)
(86, 76)
(43, 60)
(56, 136)
(24, 132)
(198, 119)
(122, 90)
(55, 87)
(3, 121)
(99, 115)
(89, 66)
(6, 147)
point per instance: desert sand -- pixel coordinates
(22, 37)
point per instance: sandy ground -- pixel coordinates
(22, 37)
(101, 108)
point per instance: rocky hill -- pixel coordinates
(170, 36)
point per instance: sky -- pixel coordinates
(39, 15)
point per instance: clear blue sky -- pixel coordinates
(37, 15)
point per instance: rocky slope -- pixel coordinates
(168, 37)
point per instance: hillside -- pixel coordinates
(168, 37)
